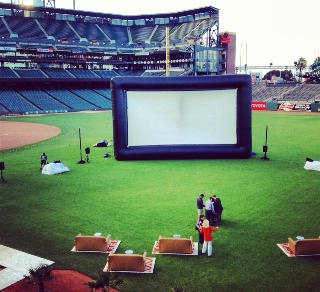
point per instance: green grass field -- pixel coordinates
(265, 202)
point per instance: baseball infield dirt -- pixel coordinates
(15, 134)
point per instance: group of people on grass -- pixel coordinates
(213, 210)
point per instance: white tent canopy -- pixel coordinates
(312, 165)
(54, 168)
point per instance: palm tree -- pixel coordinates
(316, 60)
(40, 274)
(105, 281)
(301, 64)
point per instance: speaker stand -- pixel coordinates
(265, 150)
(2, 178)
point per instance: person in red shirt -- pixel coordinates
(207, 233)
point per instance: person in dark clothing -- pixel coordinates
(200, 205)
(43, 160)
(218, 208)
(198, 228)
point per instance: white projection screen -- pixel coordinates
(182, 117)
(206, 117)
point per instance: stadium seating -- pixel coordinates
(129, 72)
(2, 110)
(303, 92)
(71, 100)
(58, 29)
(93, 97)
(24, 27)
(43, 101)
(30, 73)
(89, 31)
(83, 74)
(104, 92)
(15, 103)
(57, 73)
(107, 74)
(299, 92)
(33, 29)
(6, 72)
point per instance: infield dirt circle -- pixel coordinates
(16, 134)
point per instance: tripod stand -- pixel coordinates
(2, 178)
(265, 147)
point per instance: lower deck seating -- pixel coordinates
(15, 103)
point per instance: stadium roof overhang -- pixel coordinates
(195, 13)
(186, 28)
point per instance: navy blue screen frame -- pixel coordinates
(241, 150)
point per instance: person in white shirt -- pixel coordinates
(209, 210)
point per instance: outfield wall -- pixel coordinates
(285, 106)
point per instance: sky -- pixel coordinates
(273, 31)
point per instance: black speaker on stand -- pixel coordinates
(265, 147)
(1, 169)
(87, 150)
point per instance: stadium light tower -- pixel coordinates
(50, 3)
(167, 52)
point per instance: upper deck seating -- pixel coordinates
(58, 29)
(25, 27)
(89, 31)
(116, 32)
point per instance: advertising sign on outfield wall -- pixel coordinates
(259, 106)
(290, 106)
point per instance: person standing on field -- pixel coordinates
(200, 205)
(207, 234)
(218, 208)
(43, 160)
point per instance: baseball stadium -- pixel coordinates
(137, 116)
